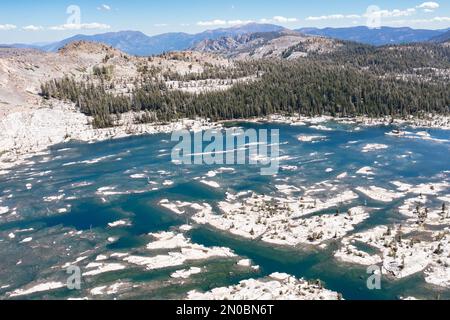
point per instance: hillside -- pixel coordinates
(29, 123)
(284, 44)
(338, 79)
(22, 71)
(442, 38)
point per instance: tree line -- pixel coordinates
(328, 85)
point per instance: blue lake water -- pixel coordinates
(69, 177)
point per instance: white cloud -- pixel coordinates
(334, 17)
(428, 6)
(396, 13)
(215, 23)
(7, 27)
(396, 16)
(33, 28)
(278, 19)
(160, 25)
(211, 23)
(218, 22)
(239, 22)
(81, 26)
(440, 19)
(281, 19)
(264, 20)
(389, 15)
(104, 7)
(422, 22)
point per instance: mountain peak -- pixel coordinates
(89, 47)
(285, 44)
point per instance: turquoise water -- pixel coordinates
(71, 175)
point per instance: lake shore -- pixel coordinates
(29, 133)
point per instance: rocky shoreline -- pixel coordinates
(277, 286)
(294, 219)
(428, 122)
(29, 133)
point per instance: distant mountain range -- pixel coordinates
(376, 37)
(137, 43)
(445, 37)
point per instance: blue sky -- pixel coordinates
(47, 20)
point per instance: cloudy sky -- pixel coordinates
(33, 21)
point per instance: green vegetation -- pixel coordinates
(381, 60)
(355, 80)
(104, 72)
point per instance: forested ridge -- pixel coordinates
(398, 58)
(355, 80)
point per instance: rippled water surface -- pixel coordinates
(61, 204)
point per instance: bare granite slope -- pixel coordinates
(29, 123)
(283, 44)
(22, 70)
